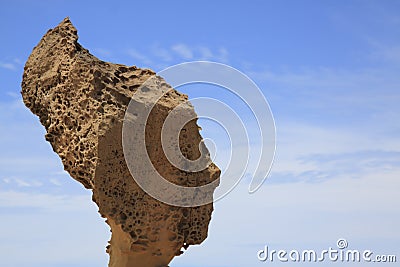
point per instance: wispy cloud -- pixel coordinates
(220, 55)
(55, 182)
(315, 153)
(200, 52)
(368, 89)
(13, 94)
(161, 53)
(223, 55)
(332, 122)
(54, 224)
(205, 52)
(292, 216)
(102, 52)
(9, 66)
(43, 200)
(183, 51)
(139, 56)
(385, 52)
(161, 57)
(20, 182)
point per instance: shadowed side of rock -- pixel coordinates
(81, 101)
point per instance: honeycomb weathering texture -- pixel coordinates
(81, 101)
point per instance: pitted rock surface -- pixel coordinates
(81, 102)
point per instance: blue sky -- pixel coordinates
(329, 70)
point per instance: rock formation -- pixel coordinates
(81, 101)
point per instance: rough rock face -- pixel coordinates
(81, 101)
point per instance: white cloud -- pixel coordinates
(162, 53)
(311, 138)
(13, 94)
(51, 230)
(200, 52)
(9, 66)
(55, 182)
(183, 51)
(102, 52)
(223, 55)
(162, 57)
(17, 61)
(302, 215)
(61, 172)
(205, 53)
(139, 56)
(22, 183)
(313, 152)
(368, 94)
(321, 77)
(19, 182)
(16, 199)
(385, 52)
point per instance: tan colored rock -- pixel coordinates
(81, 101)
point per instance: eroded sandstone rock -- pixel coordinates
(81, 101)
